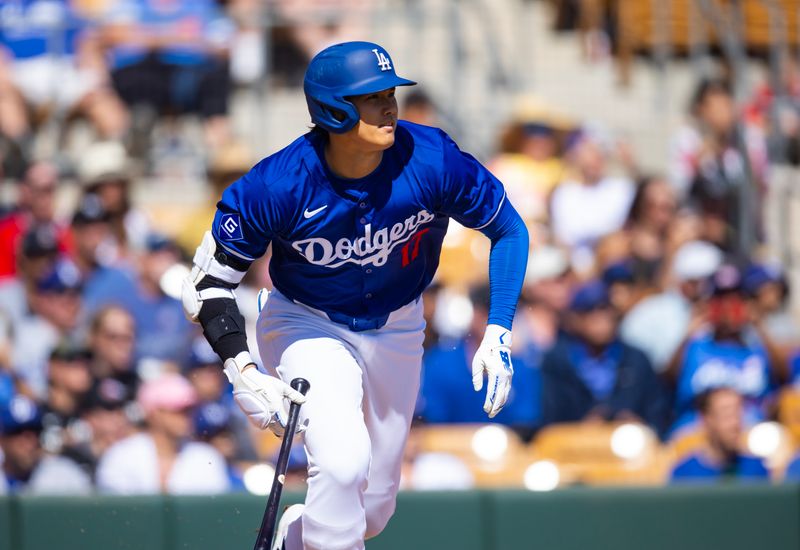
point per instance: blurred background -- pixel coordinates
(652, 148)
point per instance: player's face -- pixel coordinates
(378, 112)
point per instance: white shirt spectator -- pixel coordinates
(657, 325)
(131, 467)
(53, 475)
(581, 213)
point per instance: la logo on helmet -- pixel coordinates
(383, 61)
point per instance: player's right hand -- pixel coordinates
(263, 398)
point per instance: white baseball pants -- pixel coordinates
(363, 390)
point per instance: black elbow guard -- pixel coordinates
(224, 327)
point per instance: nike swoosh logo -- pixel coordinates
(311, 213)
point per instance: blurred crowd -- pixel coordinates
(649, 299)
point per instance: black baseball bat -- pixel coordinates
(267, 531)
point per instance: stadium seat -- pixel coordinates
(602, 454)
(494, 454)
(789, 411)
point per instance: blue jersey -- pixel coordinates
(698, 469)
(709, 364)
(356, 249)
(201, 19)
(34, 28)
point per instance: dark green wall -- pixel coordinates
(685, 518)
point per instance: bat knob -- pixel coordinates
(301, 385)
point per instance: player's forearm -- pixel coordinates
(507, 262)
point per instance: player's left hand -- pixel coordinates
(494, 358)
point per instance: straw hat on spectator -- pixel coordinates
(103, 161)
(530, 109)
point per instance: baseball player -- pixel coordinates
(356, 211)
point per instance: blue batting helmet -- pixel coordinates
(342, 71)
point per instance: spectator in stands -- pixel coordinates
(112, 336)
(658, 324)
(173, 57)
(162, 459)
(720, 458)
(530, 165)
(590, 374)
(590, 203)
(229, 164)
(104, 421)
(729, 353)
(213, 425)
(768, 292)
(54, 312)
(777, 111)
(68, 383)
(37, 257)
(36, 205)
(50, 59)
(96, 253)
(446, 379)
(644, 240)
(104, 170)
(419, 108)
(163, 333)
(545, 296)
(25, 467)
(708, 168)
(623, 291)
(204, 371)
(312, 25)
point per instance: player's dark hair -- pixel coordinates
(318, 131)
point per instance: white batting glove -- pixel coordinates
(263, 398)
(494, 358)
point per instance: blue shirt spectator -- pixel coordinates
(446, 393)
(36, 28)
(698, 468)
(729, 354)
(186, 29)
(720, 457)
(25, 467)
(709, 363)
(590, 372)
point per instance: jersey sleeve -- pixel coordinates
(246, 218)
(471, 195)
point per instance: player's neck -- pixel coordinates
(347, 161)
